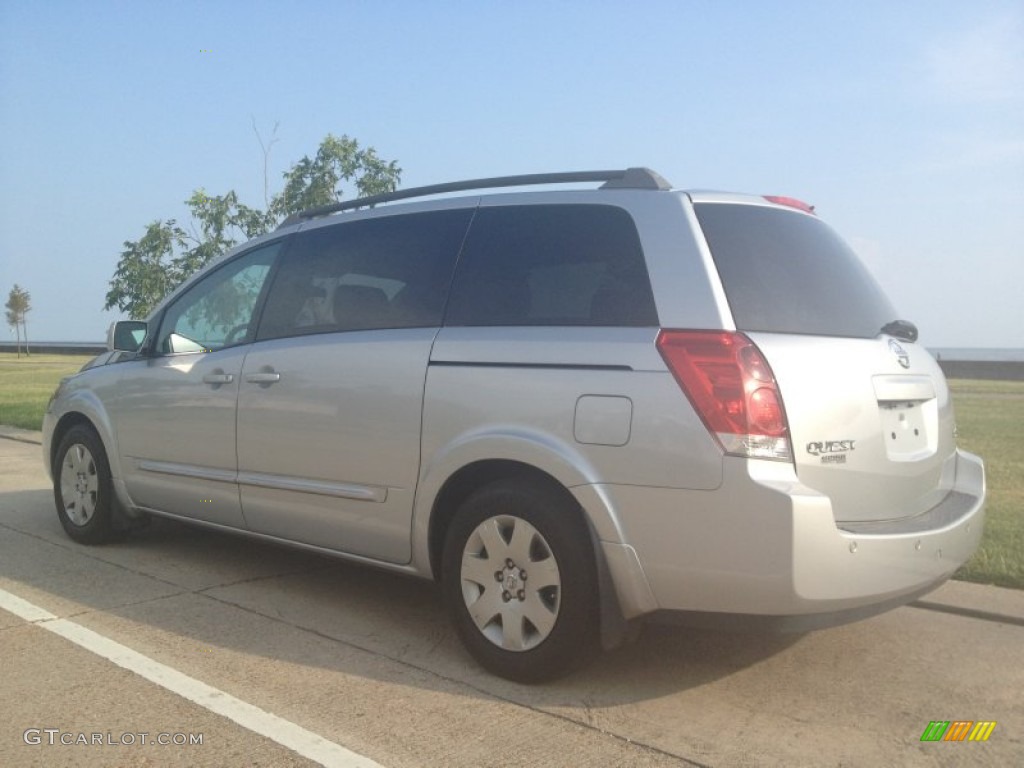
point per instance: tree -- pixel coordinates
(167, 253)
(12, 320)
(19, 302)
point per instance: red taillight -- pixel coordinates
(792, 202)
(732, 388)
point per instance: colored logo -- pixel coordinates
(958, 730)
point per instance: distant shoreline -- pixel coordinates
(973, 354)
(993, 370)
(979, 354)
(57, 347)
(1002, 364)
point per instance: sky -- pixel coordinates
(901, 122)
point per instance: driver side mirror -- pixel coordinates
(127, 335)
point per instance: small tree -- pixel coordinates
(167, 253)
(12, 320)
(19, 302)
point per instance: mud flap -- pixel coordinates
(615, 629)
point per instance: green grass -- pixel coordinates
(990, 419)
(990, 416)
(27, 383)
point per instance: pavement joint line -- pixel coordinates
(216, 700)
(286, 733)
(456, 681)
(20, 439)
(969, 613)
(263, 577)
(78, 550)
(591, 727)
(82, 552)
(38, 616)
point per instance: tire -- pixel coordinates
(82, 488)
(518, 579)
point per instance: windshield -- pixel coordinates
(787, 272)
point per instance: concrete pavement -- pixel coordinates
(367, 660)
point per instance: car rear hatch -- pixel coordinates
(869, 415)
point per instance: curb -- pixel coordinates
(976, 601)
(21, 435)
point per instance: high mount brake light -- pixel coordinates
(792, 202)
(732, 388)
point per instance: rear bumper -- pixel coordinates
(763, 549)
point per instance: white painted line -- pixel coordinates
(23, 609)
(284, 732)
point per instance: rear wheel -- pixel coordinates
(518, 580)
(82, 488)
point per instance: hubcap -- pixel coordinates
(510, 583)
(79, 484)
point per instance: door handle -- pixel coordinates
(263, 378)
(218, 378)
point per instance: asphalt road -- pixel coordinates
(365, 661)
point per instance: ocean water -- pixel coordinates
(1010, 354)
(1000, 354)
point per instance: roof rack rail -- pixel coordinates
(629, 178)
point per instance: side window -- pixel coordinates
(386, 272)
(217, 311)
(552, 265)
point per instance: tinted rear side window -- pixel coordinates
(552, 265)
(387, 272)
(786, 272)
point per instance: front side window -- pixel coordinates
(552, 265)
(217, 311)
(387, 272)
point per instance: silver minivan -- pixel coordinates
(576, 409)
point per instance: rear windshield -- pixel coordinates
(786, 272)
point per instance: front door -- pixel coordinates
(175, 410)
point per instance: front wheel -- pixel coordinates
(518, 580)
(82, 488)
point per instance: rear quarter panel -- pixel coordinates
(512, 393)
